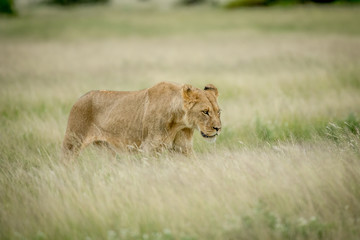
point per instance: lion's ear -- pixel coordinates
(188, 94)
(212, 88)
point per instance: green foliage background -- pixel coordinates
(7, 6)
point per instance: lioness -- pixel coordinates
(163, 116)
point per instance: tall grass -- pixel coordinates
(285, 191)
(286, 165)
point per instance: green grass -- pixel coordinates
(286, 165)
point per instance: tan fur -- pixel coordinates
(163, 116)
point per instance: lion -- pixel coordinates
(161, 117)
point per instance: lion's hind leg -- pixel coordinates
(71, 147)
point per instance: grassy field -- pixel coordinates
(287, 165)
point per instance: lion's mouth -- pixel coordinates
(207, 136)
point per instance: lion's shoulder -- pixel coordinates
(164, 91)
(164, 98)
(163, 86)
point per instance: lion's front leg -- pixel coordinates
(183, 142)
(152, 144)
(180, 143)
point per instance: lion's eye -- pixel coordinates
(206, 112)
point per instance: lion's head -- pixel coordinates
(202, 110)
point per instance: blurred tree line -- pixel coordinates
(7, 6)
(70, 2)
(248, 3)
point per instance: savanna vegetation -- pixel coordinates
(286, 166)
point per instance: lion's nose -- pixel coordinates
(217, 128)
